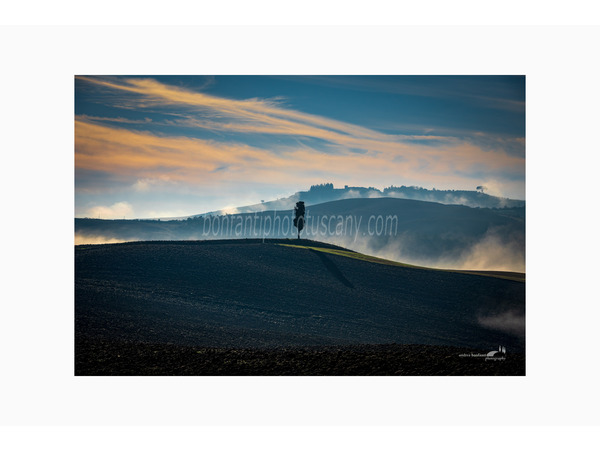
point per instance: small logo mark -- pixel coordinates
(499, 355)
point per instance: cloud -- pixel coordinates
(252, 115)
(499, 249)
(469, 90)
(495, 251)
(147, 184)
(81, 239)
(512, 322)
(145, 157)
(493, 187)
(258, 142)
(118, 210)
(263, 116)
(86, 117)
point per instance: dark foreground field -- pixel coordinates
(253, 308)
(99, 357)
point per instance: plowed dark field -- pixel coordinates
(251, 308)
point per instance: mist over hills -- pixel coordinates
(322, 193)
(410, 231)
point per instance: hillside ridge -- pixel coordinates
(261, 295)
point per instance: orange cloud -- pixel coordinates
(146, 156)
(257, 116)
(269, 117)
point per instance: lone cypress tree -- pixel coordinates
(299, 217)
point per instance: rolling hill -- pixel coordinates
(323, 193)
(192, 297)
(411, 231)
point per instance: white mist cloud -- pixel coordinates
(145, 184)
(512, 322)
(497, 188)
(493, 252)
(118, 210)
(351, 194)
(89, 239)
(230, 210)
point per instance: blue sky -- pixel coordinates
(167, 146)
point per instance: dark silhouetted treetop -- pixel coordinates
(299, 217)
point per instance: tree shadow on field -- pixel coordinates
(333, 269)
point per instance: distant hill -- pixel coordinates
(326, 193)
(250, 294)
(410, 231)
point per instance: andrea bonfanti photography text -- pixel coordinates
(494, 355)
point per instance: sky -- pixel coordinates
(172, 146)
